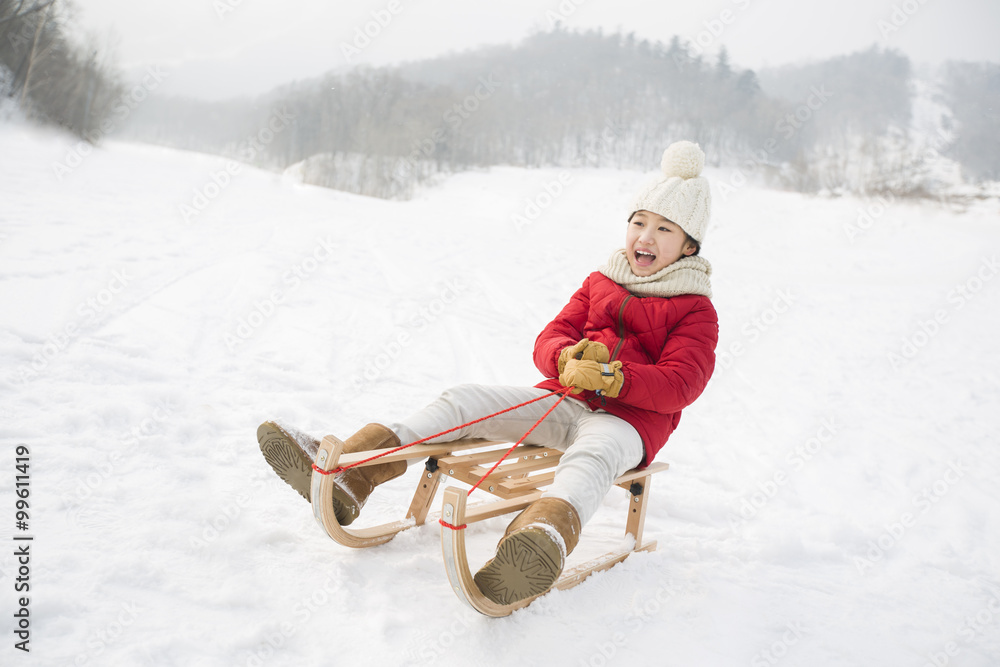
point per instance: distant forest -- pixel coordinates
(573, 99)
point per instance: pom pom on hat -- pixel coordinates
(680, 194)
(683, 159)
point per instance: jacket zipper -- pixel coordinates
(621, 339)
(621, 328)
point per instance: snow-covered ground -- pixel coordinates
(832, 498)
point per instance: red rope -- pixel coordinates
(448, 525)
(565, 392)
(562, 390)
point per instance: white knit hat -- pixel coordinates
(681, 194)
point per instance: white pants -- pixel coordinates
(598, 447)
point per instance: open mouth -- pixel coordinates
(643, 258)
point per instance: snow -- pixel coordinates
(831, 499)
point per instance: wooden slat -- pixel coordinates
(462, 475)
(492, 456)
(417, 451)
(518, 486)
(520, 466)
(492, 508)
(469, 469)
(626, 480)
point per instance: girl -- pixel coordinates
(637, 344)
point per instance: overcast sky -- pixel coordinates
(223, 48)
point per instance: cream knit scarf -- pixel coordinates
(688, 275)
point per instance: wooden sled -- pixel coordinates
(517, 482)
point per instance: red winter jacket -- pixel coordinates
(666, 346)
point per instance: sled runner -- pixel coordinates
(517, 482)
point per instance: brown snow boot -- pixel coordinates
(353, 486)
(531, 555)
(291, 455)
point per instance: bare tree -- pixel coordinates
(973, 93)
(53, 79)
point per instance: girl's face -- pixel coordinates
(653, 243)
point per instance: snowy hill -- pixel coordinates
(831, 499)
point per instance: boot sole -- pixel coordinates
(527, 564)
(285, 457)
(294, 467)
